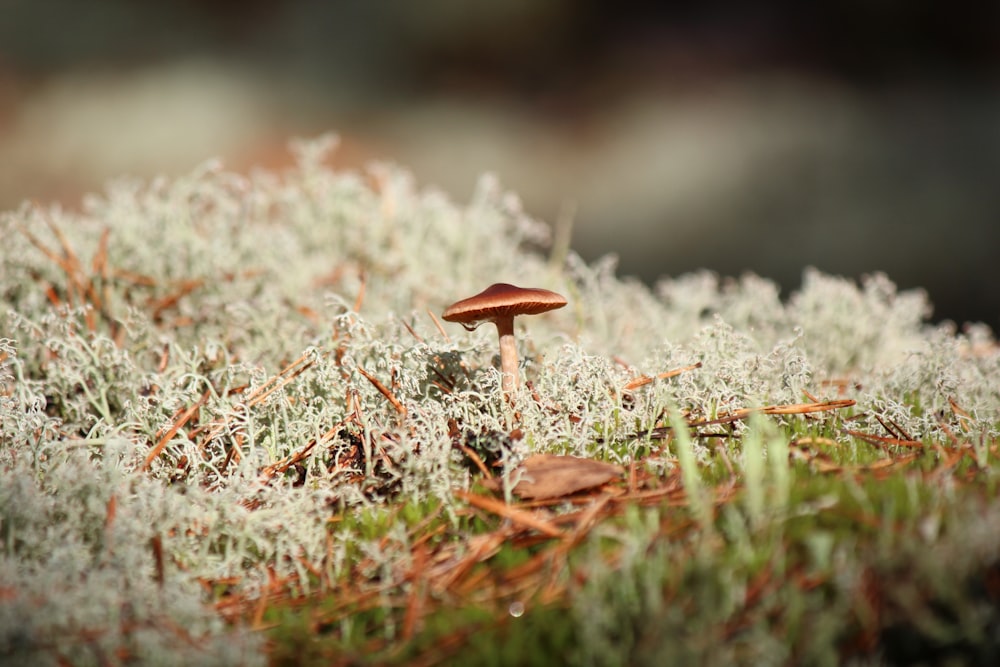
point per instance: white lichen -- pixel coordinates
(208, 286)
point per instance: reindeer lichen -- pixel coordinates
(200, 378)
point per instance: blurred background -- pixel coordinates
(852, 136)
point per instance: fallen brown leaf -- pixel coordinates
(555, 476)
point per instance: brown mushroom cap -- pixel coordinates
(502, 300)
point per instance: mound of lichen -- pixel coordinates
(198, 375)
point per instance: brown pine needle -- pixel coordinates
(446, 384)
(65, 263)
(515, 515)
(275, 382)
(810, 440)
(71, 263)
(233, 454)
(156, 543)
(587, 520)
(164, 359)
(361, 292)
(955, 442)
(437, 323)
(52, 296)
(158, 306)
(643, 380)
(480, 548)
(71, 266)
(63, 241)
(880, 441)
(476, 459)
(44, 249)
(400, 408)
(137, 279)
(793, 409)
(109, 517)
(412, 332)
(99, 263)
(804, 408)
(283, 465)
(178, 425)
(900, 430)
(886, 427)
(958, 410)
(98, 270)
(285, 381)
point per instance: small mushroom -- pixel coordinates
(501, 303)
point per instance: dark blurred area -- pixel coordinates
(851, 136)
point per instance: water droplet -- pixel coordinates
(516, 609)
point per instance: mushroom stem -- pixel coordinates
(508, 353)
(499, 303)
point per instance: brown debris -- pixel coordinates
(554, 476)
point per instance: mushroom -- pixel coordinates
(500, 303)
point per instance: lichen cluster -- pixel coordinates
(198, 375)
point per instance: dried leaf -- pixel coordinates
(553, 476)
